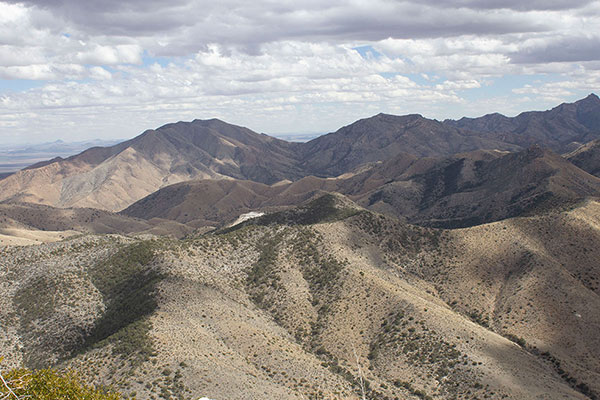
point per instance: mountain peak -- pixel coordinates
(207, 121)
(591, 100)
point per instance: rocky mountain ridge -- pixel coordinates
(112, 178)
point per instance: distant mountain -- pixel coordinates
(384, 136)
(18, 157)
(57, 147)
(61, 147)
(561, 129)
(113, 178)
(587, 157)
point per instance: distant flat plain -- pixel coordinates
(16, 157)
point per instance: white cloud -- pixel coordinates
(282, 66)
(111, 55)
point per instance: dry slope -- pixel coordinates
(458, 191)
(290, 305)
(112, 178)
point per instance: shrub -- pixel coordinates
(128, 283)
(50, 384)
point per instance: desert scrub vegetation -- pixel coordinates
(127, 282)
(395, 237)
(39, 297)
(321, 272)
(581, 387)
(479, 318)
(49, 384)
(262, 275)
(42, 304)
(301, 246)
(516, 339)
(402, 337)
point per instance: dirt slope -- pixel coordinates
(291, 311)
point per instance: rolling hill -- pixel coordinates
(327, 300)
(24, 224)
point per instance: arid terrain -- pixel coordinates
(113, 178)
(288, 307)
(397, 258)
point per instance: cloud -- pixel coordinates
(579, 82)
(110, 32)
(327, 85)
(43, 72)
(123, 66)
(111, 55)
(559, 49)
(517, 4)
(178, 27)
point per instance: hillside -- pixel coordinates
(475, 188)
(587, 157)
(463, 190)
(25, 223)
(216, 202)
(288, 307)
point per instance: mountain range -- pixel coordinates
(113, 178)
(397, 258)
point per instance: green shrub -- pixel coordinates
(50, 384)
(128, 284)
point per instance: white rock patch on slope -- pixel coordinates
(247, 216)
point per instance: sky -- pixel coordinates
(110, 69)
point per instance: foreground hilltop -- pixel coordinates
(323, 300)
(113, 178)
